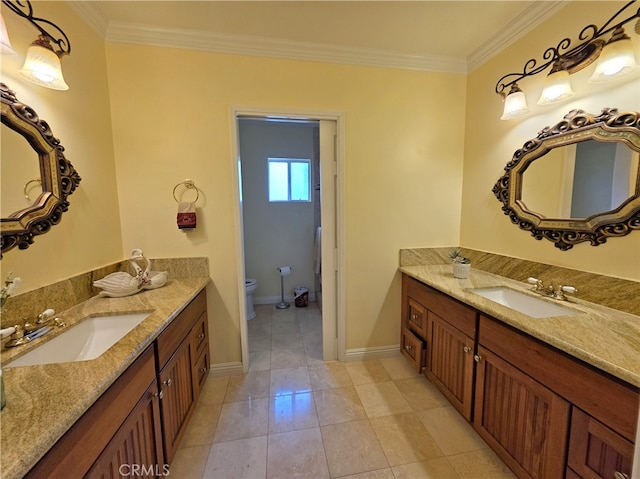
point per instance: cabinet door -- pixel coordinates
(136, 449)
(178, 397)
(450, 363)
(200, 370)
(595, 451)
(525, 423)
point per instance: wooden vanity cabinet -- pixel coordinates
(180, 374)
(545, 413)
(134, 428)
(438, 334)
(122, 427)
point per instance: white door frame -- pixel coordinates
(339, 350)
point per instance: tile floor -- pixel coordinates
(294, 416)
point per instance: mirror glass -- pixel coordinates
(36, 177)
(20, 171)
(577, 181)
(581, 180)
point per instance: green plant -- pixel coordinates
(457, 257)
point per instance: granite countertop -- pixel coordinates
(44, 401)
(603, 337)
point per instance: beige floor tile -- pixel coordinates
(248, 386)
(296, 454)
(290, 381)
(338, 405)
(404, 439)
(259, 326)
(291, 341)
(202, 425)
(398, 367)
(259, 361)
(244, 419)
(352, 448)
(483, 464)
(240, 459)
(386, 473)
(259, 343)
(382, 399)
(439, 468)
(286, 358)
(451, 431)
(421, 394)
(330, 375)
(213, 390)
(365, 372)
(190, 462)
(314, 357)
(292, 412)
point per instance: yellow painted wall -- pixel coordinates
(89, 234)
(490, 144)
(403, 163)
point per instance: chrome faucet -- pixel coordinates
(551, 291)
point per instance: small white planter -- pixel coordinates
(461, 270)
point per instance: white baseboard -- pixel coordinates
(277, 299)
(225, 369)
(377, 352)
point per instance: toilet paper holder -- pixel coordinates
(284, 271)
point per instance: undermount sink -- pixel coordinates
(84, 341)
(529, 305)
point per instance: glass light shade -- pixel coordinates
(515, 105)
(556, 88)
(616, 60)
(42, 67)
(5, 44)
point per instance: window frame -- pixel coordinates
(289, 162)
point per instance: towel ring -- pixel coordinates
(26, 188)
(189, 184)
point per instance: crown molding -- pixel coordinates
(530, 18)
(128, 33)
(266, 47)
(91, 15)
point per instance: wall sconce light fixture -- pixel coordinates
(42, 64)
(615, 59)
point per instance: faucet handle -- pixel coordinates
(559, 293)
(537, 284)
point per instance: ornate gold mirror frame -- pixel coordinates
(577, 126)
(58, 177)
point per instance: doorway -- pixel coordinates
(327, 184)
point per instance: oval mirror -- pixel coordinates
(576, 181)
(39, 178)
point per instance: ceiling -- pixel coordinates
(431, 35)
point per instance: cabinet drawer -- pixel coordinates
(595, 451)
(458, 314)
(200, 335)
(201, 370)
(417, 317)
(413, 349)
(170, 338)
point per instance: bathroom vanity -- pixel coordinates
(554, 397)
(130, 406)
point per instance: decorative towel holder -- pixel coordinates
(188, 184)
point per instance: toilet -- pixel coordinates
(250, 286)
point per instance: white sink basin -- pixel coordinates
(82, 342)
(529, 305)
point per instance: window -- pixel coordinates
(289, 179)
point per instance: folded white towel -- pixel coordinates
(186, 215)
